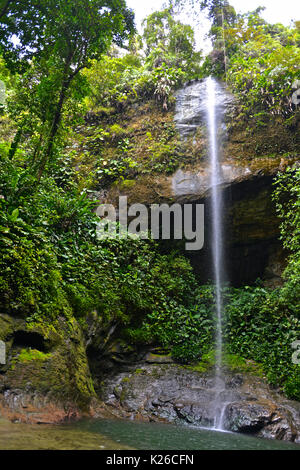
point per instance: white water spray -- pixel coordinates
(213, 120)
(199, 102)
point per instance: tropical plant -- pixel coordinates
(62, 37)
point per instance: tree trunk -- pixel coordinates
(4, 8)
(68, 77)
(15, 144)
(224, 44)
(54, 127)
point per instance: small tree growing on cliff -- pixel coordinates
(222, 15)
(170, 42)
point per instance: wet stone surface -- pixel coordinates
(172, 393)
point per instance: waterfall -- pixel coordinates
(214, 117)
(198, 103)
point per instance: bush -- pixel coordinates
(264, 83)
(185, 326)
(261, 325)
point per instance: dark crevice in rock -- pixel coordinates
(251, 231)
(27, 339)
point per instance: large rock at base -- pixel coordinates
(172, 393)
(261, 418)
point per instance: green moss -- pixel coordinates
(47, 330)
(126, 184)
(237, 363)
(62, 374)
(231, 362)
(106, 111)
(161, 355)
(6, 326)
(207, 362)
(125, 380)
(117, 131)
(27, 355)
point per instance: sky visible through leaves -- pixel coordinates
(277, 11)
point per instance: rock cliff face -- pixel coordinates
(251, 157)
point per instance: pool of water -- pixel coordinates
(145, 436)
(99, 434)
(16, 436)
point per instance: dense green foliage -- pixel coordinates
(261, 70)
(265, 67)
(118, 82)
(51, 42)
(262, 325)
(52, 263)
(186, 330)
(259, 61)
(170, 42)
(170, 59)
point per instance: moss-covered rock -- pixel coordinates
(47, 360)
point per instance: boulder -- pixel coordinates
(261, 418)
(177, 394)
(46, 377)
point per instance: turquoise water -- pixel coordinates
(121, 435)
(20, 436)
(144, 436)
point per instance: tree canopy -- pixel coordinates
(60, 36)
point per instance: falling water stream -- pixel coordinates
(201, 103)
(214, 117)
